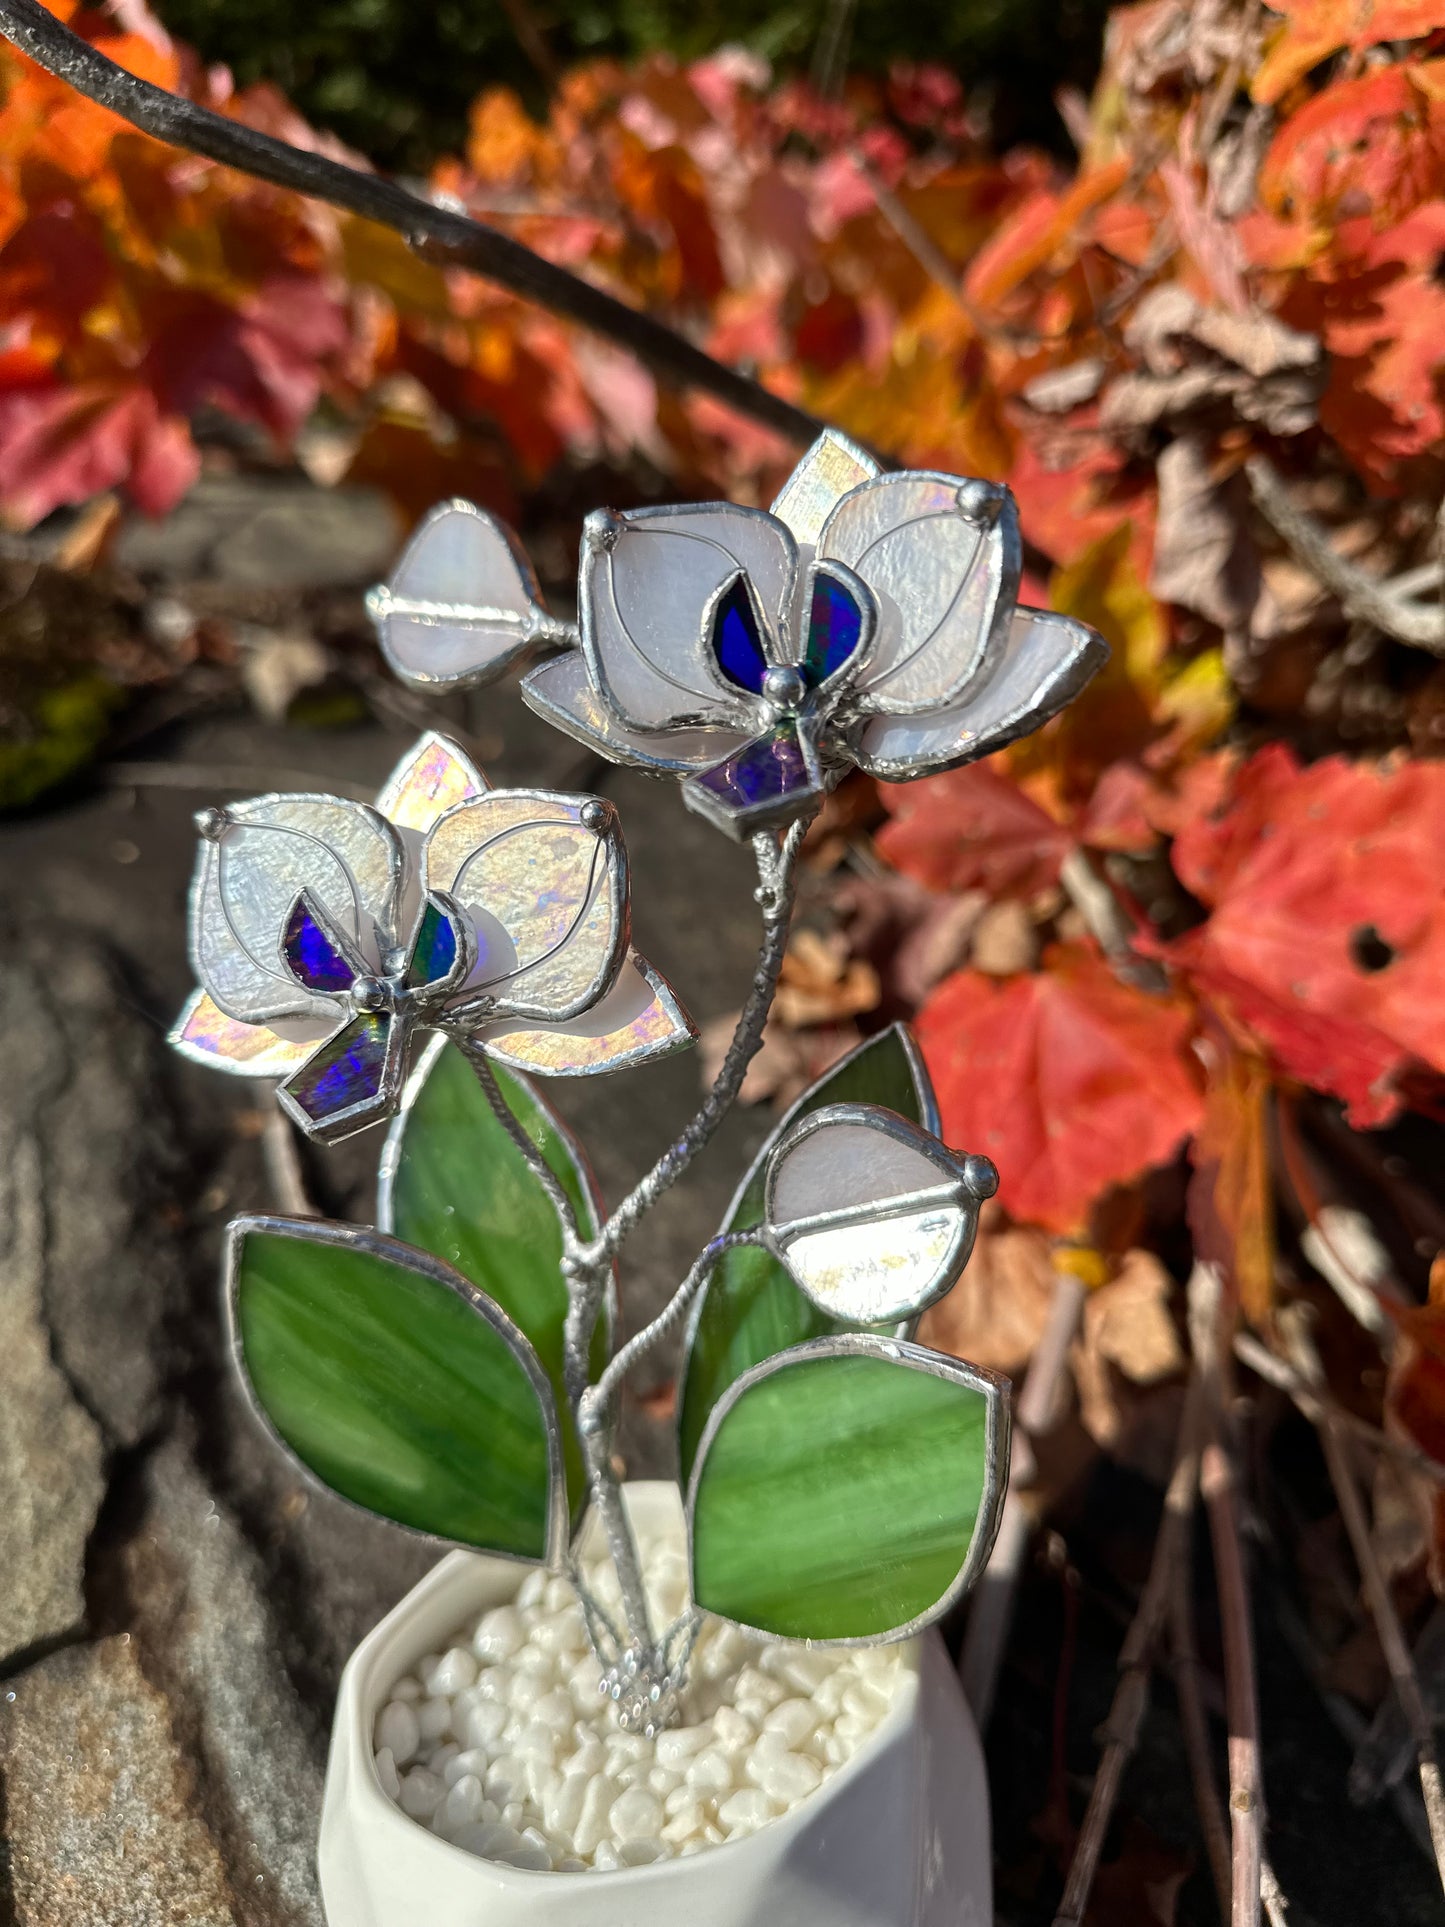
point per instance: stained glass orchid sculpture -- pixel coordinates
(867, 619)
(325, 933)
(453, 1368)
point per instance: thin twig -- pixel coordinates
(1377, 1595)
(991, 1612)
(1314, 1404)
(1420, 624)
(1136, 1659)
(1217, 1485)
(1184, 1662)
(1093, 897)
(439, 234)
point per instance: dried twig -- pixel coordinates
(1184, 1659)
(1136, 1658)
(439, 234)
(1377, 1595)
(1314, 1402)
(1217, 1485)
(1093, 897)
(1035, 1410)
(1364, 596)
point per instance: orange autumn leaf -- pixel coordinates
(1315, 29)
(1231, 1200)
(1070, 1080)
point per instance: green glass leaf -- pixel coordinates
(751, 1307)
(847, 1493)
(453, 1183)
(397, 1383)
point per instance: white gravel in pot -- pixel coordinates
(503, 1745)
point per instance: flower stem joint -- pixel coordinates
(453, 1367)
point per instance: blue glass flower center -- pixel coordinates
(737, 643)
(835, 628)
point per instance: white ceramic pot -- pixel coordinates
(899, 1837)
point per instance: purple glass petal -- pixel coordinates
(312, 953)
(835, 628)
(736, 642)
(763, 771)
(348, 1070)
(434, 953)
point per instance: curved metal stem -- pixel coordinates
(486, 1077)
(437, 234)
(777, 866)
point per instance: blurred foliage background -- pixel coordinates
(395, 79)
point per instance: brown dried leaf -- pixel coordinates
(1204, 555)
(996, 1313)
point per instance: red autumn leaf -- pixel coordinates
(1070, 1080)
(1327, 933)
(972, 828)
(1368, 146)
(64, 444)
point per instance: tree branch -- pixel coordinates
(441, 235)
(1363, 596)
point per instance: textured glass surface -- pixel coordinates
(835, 628)
(637, 1020)
(646, 596)
(830, 468)
(751, 1307)
(561, 691)
(311, 951)
(878, 1270)
(435, 949)
(537, 885)
(767, 770)
(735, 639)
(394, 1391)
(349, 1070)
(272, 850)
(458, 1187)
(460, 600)
(428, 781)
(838, 1498)
(935, 576)
(1046, 660)
(846, 1164)
(208, 1035)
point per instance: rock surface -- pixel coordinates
(103, 1809)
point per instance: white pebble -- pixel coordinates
(786, 1778)
(795, 1719)
(421, 1793)
(474, 1761)
(484, 1724)
(746, 1811)
(635, 1815)
(733, 1729)
(529, 1859)
(562, 1812)
(455, 1672)
(434, 1717)
(501, 1743)
(677, 1747)
(463, 1804)
(499, 1634)
(397, 1729)
(710, 1772)
(597, 1802)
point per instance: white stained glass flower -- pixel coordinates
(325, 932)
(867, 619)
